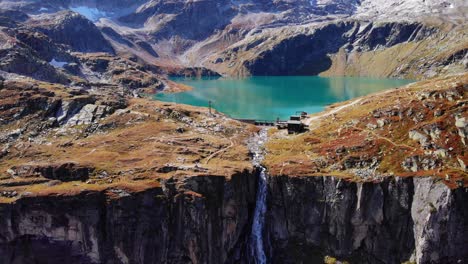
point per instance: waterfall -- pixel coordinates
(256, 242)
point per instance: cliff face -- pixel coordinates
(208, 220)
(388, 222)
(192, 220)
(283, 59)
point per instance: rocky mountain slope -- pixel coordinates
(388, 49)
(67, 48)
(237, 37)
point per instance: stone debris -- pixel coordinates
(382, 122)
(417, 136)
(120, 192)
(371, 126)
(442, 153)
(172, 168)
(9, 194)
(462, 163)
(88, 114)
(417, 163)
(462, 125)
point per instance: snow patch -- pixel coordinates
(90, 13)
(58, 64)
(43, 9)
(405, 8)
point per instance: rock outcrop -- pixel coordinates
(28, 54)
(64, 172)
(188, 19)
(27, 51)
(74, 30)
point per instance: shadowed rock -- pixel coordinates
(63, 172)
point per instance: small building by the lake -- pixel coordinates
(295, 125)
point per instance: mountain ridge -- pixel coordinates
(179, 33)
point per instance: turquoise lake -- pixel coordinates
(266, 97)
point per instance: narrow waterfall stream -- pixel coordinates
(256, 242)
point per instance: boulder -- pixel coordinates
(462, 125)
(417, 136)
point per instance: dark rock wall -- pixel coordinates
(199, 220)
(388, 222)
(208, 219)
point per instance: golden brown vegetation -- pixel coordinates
(374, 136)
